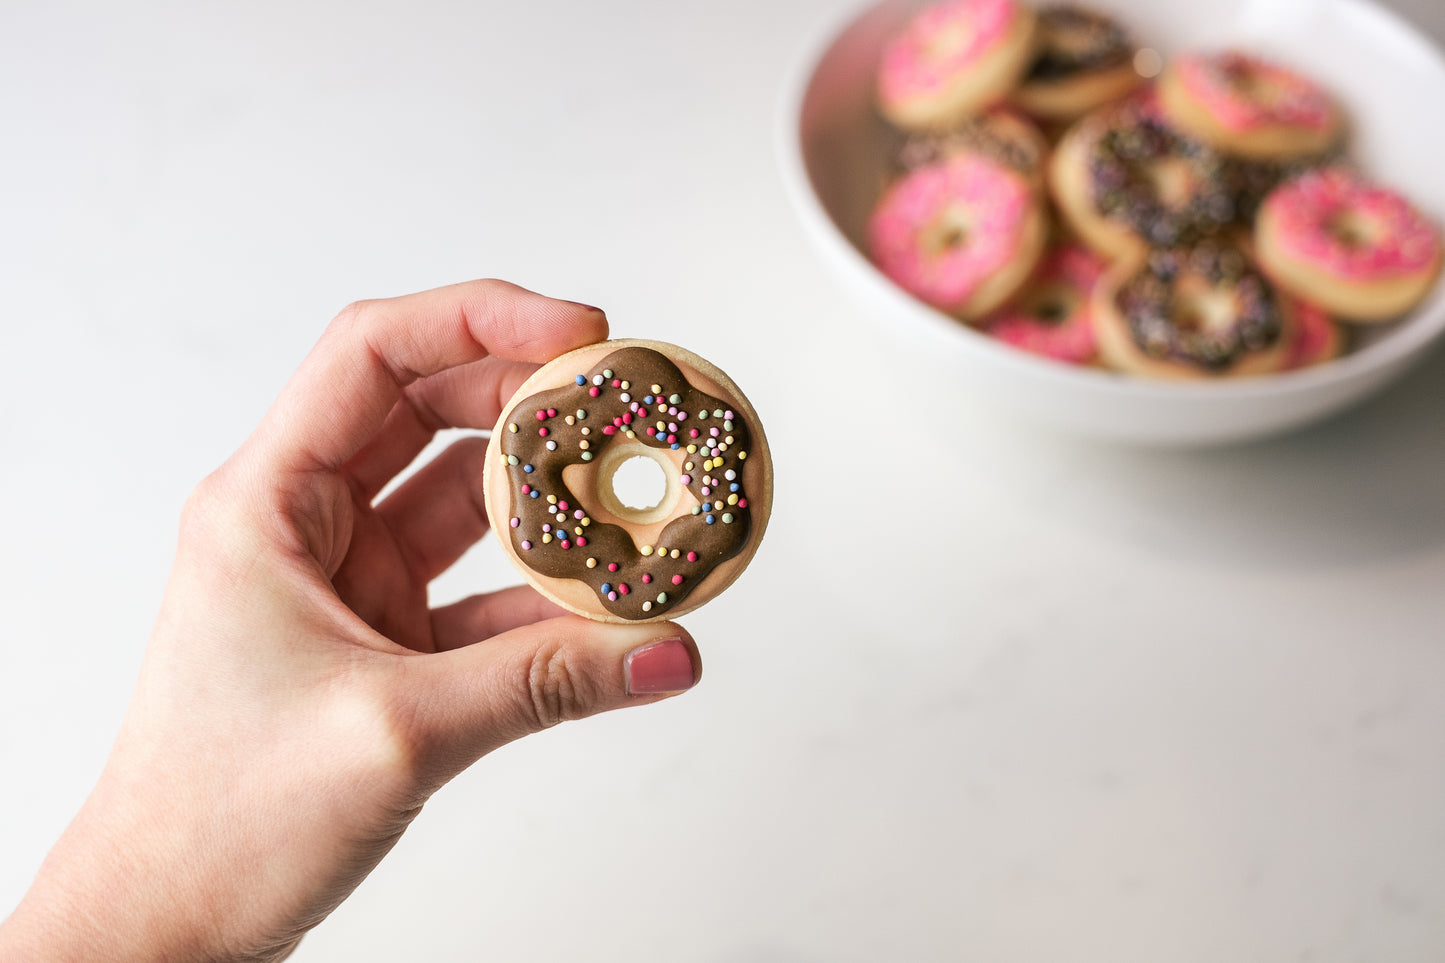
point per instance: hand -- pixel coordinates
(299, 700)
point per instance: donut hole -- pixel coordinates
(1172, 180)
(1051, 304)
(1199, 307)
(1353, 231)
(638, 484)
(630, 484)
(1052, 311)
(951, 229)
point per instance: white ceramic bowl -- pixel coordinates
(1390, 79)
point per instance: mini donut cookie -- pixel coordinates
(1244, 105)
(952, 59)
(1054, 314)
(1125, 182)
(1196, 312)
(962, 233)
(1085, 59)
(558, 446)
(999, 133)
(1362, 252)
(1317, 338)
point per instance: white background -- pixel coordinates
(986, 693)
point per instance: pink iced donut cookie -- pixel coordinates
(1360, 251)
(962, 233)
(1316, 338)
(952, 59)
(1053, 315)
(1246, 106)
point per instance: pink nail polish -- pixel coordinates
(659, 667)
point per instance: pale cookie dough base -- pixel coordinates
(1067, 100)
(582, 478)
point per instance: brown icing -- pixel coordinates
(1075, 40)
(999, 135)
(636, 394)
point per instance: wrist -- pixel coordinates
(105, 893)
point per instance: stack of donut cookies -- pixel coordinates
(1202, 221)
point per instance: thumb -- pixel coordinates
(468, 701)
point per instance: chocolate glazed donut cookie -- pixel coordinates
(1085, 59)
(551, 481)
(1201, 312)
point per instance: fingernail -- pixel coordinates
(659, 667)
(589, 307)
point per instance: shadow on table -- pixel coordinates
(1367, 484)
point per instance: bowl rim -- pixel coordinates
(1410, 340)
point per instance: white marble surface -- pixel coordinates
(1022, 699)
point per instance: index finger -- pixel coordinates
(340, 396)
